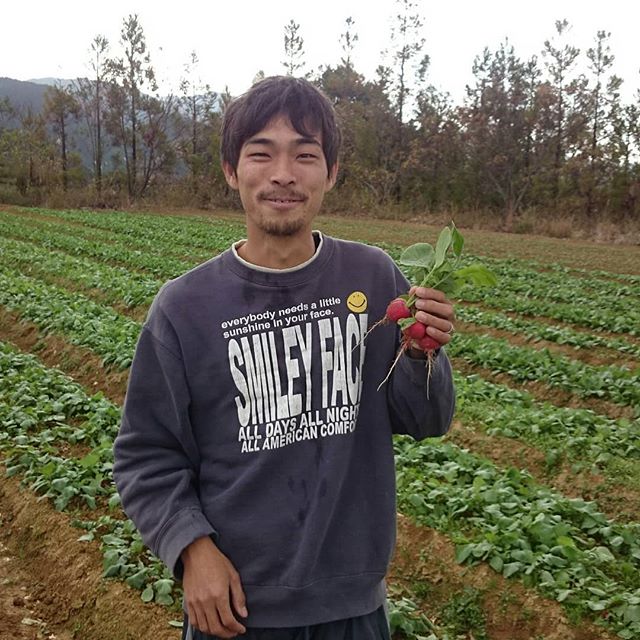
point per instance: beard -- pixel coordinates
(281, 228)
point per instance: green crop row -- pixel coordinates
(542, 280)
(188, 233)
(51, 236)
(582, 311)
(617, 384)
(133, 240)
(535, 331)
(82, 321)
(116, 283)
(580, 433)
(45, 417)
(564, 547)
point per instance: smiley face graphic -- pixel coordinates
(357, 302)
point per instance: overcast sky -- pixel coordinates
(235, 39)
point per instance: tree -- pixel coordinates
(348, 40)
(435, 162)
(197, 103)
(560, 59)
(28, 154)
(90, 93)
(601, 101)
(7, 112)
(406, 57)
(293, 48)
(130, 73)
(498, 128)
(59, 106)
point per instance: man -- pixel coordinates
(255, 454)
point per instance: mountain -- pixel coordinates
(25, 95)
(52, 82)
(22, 95)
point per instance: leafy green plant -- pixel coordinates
(464, 613)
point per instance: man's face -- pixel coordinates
(282, 178)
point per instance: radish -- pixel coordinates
(415, 331)
(428, 344)
(437, 268)
(397, 309)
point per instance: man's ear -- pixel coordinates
(230, 175)
(333, 174)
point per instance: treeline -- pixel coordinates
(549, 135)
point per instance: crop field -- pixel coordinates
(522, 523)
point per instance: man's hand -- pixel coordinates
(434, 310)
(212, 589)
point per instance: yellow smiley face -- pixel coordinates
(357, 302)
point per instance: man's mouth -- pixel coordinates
(283, 199)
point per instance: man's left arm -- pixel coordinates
(420, 392)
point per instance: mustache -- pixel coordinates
(281, 195)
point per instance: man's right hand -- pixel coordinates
(211, 588)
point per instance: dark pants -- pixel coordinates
(373, 626)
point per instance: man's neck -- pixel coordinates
(274, 252)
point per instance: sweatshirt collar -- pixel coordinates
(280, 277)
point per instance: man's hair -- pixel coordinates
(306, 107)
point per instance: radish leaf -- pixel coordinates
(444, 241)
(418, 255)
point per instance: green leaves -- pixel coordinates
(439, 269)
(475, 274)
(565, 547)
(419, 255)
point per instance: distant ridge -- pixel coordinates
(22, 94)
(52, 82)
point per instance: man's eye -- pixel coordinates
(307, 156)
(259, 154)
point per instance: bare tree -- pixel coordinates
(198, 102)
(348, 40)
(561, 58)
(60, 105)
(131, 73)
(293, 48)
(90, 93)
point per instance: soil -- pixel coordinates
(52, 585)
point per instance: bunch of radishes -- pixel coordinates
(438, 269)
(412, 330)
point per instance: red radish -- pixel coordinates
(397, 309)
(427, 343)
(416, 331)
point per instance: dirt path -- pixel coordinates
(23, 614)
(51, 585)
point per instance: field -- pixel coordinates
(522, 523)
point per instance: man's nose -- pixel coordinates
(282, 173)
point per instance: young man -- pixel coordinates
(255, 454)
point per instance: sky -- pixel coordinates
(237, 38)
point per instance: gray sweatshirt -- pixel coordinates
(253, 416)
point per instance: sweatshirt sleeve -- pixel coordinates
(421, 402)
(156, 459)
